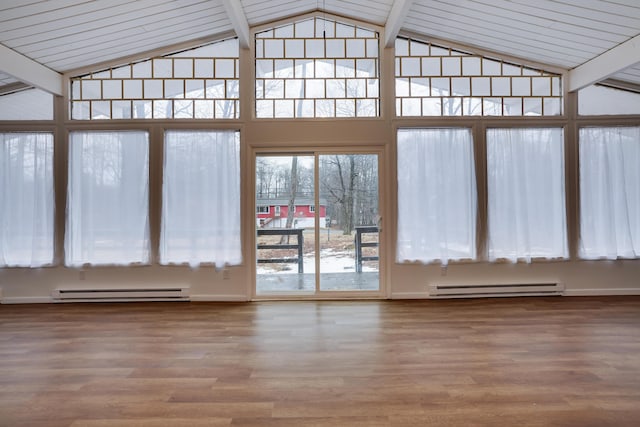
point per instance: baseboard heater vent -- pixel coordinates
(121, 295)
(450, 290)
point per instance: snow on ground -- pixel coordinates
(330, 262)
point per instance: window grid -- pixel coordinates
(168, 87)
(436, 81)
(317, 68)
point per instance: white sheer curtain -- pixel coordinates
(436, 195)
(526, 198)
(610, 192)
(201, 198)
(108, 199)
(26, 199)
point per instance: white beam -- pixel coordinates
(29, 71)
(601, 67)
(399, 12)
(238, 20)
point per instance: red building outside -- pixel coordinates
(272, 213)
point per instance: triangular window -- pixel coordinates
(438, 81)
(200, 83)
(317, 67)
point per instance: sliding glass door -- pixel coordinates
(317, 224)
(285, 224)
(349, 246)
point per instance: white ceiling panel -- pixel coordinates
(70, 34)
(261, 11)
(561, 33)
(494, 37)
(629, 75)
(83, 53)
(375, 11)
(75, 34)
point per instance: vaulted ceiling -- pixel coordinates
(592, 40)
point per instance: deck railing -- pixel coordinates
(360, 230)
(283, 232)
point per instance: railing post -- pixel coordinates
(360, 230)
(358, 251)
(300, 247)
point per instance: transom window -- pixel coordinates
(317, 68)
(437, 81)
(598, 99)
(27, 104)
(201, 83)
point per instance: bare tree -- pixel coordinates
(293, 189)
(266, 177)
(340, 187)
(350, 184)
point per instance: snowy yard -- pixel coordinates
(330, 262)
(337, 254)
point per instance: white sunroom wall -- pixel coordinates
(407, 280)
(580, 277)
(36, 285)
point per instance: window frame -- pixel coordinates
(134, 81)
(446, 73)
(203, 250)
(474, 198)
(562, 199)
(79, 261)
(603, 255)
(50, 200)
(276, 27)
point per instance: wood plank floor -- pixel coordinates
(488, 362)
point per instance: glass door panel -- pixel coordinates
(317, 223)
(285, 224)
(348, 222)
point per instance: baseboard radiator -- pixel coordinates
(450, 290)
(121, 294)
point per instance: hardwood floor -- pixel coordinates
(488, 362)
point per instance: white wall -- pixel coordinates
(401, 281)
(205, 283)
(377, 134)
(579, 277)
(404, 281)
